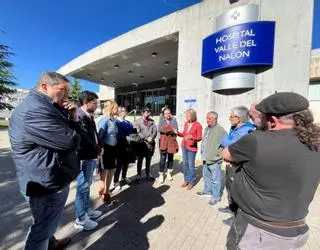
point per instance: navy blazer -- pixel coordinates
(44, 145)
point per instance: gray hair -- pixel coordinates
(242, 112)
(51, 78)
(214, 113)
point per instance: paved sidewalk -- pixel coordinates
(145, 216)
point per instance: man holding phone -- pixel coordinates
(44, 134)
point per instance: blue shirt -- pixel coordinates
(108, 130)
(236, 133)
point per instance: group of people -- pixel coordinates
(271, 164)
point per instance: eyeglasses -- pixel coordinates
(233, 116)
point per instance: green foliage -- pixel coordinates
(7, 80)
(4, 124)
(75, 90)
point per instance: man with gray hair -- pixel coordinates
(210, 153)
(240, 126)
(45, 146)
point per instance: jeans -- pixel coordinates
(212, 180)
(148, 163)
(189, 167)
(163, 158)
(245, 234)
(46, 212)
(84, 181)
(122, 167)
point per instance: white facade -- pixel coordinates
(290, 71)
(314, 87)
(14, 99)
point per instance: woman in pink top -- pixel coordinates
(192, 134)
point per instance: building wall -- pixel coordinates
(290, 71)
(106, 93)
(14, 99)
(314, 87)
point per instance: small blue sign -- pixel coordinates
(243, 45)
(190, 100)
(189, 103)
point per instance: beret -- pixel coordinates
(282, 103)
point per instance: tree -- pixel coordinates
(7, 80)
(75, 90)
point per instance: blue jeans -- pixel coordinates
(46, 211)
(212, 180)
(84, 181)
(189, 167)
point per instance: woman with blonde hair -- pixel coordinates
(192, 134)
(108, 134)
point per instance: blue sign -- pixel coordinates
(243, 45)
(189, 103)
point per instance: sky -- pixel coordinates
(45, 35)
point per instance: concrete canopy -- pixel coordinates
(151, 61)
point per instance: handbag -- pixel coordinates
(134, 139)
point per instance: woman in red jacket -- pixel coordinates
(192, 134)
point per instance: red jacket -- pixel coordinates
(168, 141)
(196, 135)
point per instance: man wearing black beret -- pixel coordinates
(277, 176)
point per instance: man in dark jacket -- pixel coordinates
(45, 146)
(90, 148)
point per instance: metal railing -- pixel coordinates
(134, 112)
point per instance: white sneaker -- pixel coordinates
(86, 224)
(161, 178)
(93, 214)
(169, 176)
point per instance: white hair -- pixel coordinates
(242, 112)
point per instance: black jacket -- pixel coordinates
(44, 145)
(91, 145)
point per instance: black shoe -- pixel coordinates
(138, 178)
(225, 210)
(228, 222)
(60, 244)
(125, 181)
(204, 194)
(150, 178)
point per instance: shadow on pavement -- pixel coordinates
(123, 225)
(15, 215)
